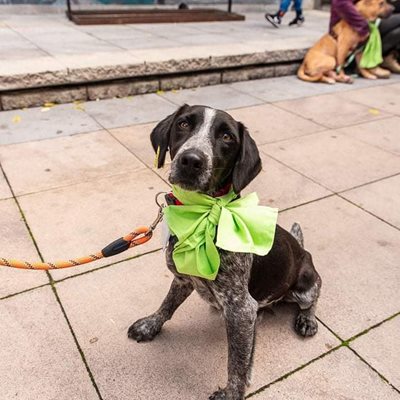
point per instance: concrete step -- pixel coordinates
(49, 59)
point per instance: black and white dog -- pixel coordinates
(210, 150)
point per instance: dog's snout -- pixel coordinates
(192, 161)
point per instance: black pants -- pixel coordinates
(390, 34)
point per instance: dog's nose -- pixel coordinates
(192, 161)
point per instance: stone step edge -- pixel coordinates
(124, 87)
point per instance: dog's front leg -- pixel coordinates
(240, 315)
(147, 328)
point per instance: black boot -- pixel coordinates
(298, 20)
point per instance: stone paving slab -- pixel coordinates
(15, 239)
(188, 359)
(39, 359)
(267, 123)
(35, 124)
(334, 113)
(81, 219)
(381, 198)
(134, 47)
(334, 160)
(4, 189)
(382, 133)
(137, 139)
(115, 113)
(388, 99)
(381, 349)
(352, 379)
(280, 186)
(289, 88)
(357, 256)
(218, 96)
(84, 157)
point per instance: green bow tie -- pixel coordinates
(243, 226)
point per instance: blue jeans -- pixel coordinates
(286, 3)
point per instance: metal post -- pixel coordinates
(229, 6)
(69, 9)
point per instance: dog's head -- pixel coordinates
(373, 9)
(208, 149)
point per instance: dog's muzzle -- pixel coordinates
(189, 169)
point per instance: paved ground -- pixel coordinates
(80, 175)
(66, 53)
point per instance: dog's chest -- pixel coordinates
(231, 281)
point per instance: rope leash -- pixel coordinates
(139, 236)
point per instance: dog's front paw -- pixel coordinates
(145, 329)
(226, 394)
(218, 395)
(305, 325)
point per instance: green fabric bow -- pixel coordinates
(240, 225)
(372, 53)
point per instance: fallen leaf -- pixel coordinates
(79, 107)
(374, 111)
(45, 109)
(16, 119)
(160, 92)
(49, 104)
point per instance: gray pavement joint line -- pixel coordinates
(298, 172)
(306, 203)
(53, 288)
(166, 99)
(333, 192)
(106, 266)
(368, 105)
(377, 325)
(368, 183)
(369, 212)
(301, 135)
(347, 343)
(138, 158)
(248, 94)
(33, 43)
(95, 179)
(374, 369)
(293, 371)
(23, 291)
(22, 213)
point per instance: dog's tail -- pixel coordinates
(297, 233)
(301, 74)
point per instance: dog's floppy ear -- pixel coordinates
(160, 137)
(248, 164)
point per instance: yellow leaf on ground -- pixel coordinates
(49, 104)
(374, 111)
(160, 92)
(16, 119)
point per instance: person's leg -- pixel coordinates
(299, 19)
(390, 33)
(276, 19)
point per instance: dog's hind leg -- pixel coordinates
(305, 293)
(147, 328)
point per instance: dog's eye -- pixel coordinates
(183, 124)
(227, 138)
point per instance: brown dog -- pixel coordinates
(331, 51)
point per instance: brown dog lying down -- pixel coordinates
(331, 51)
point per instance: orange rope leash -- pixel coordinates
(139, 236)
